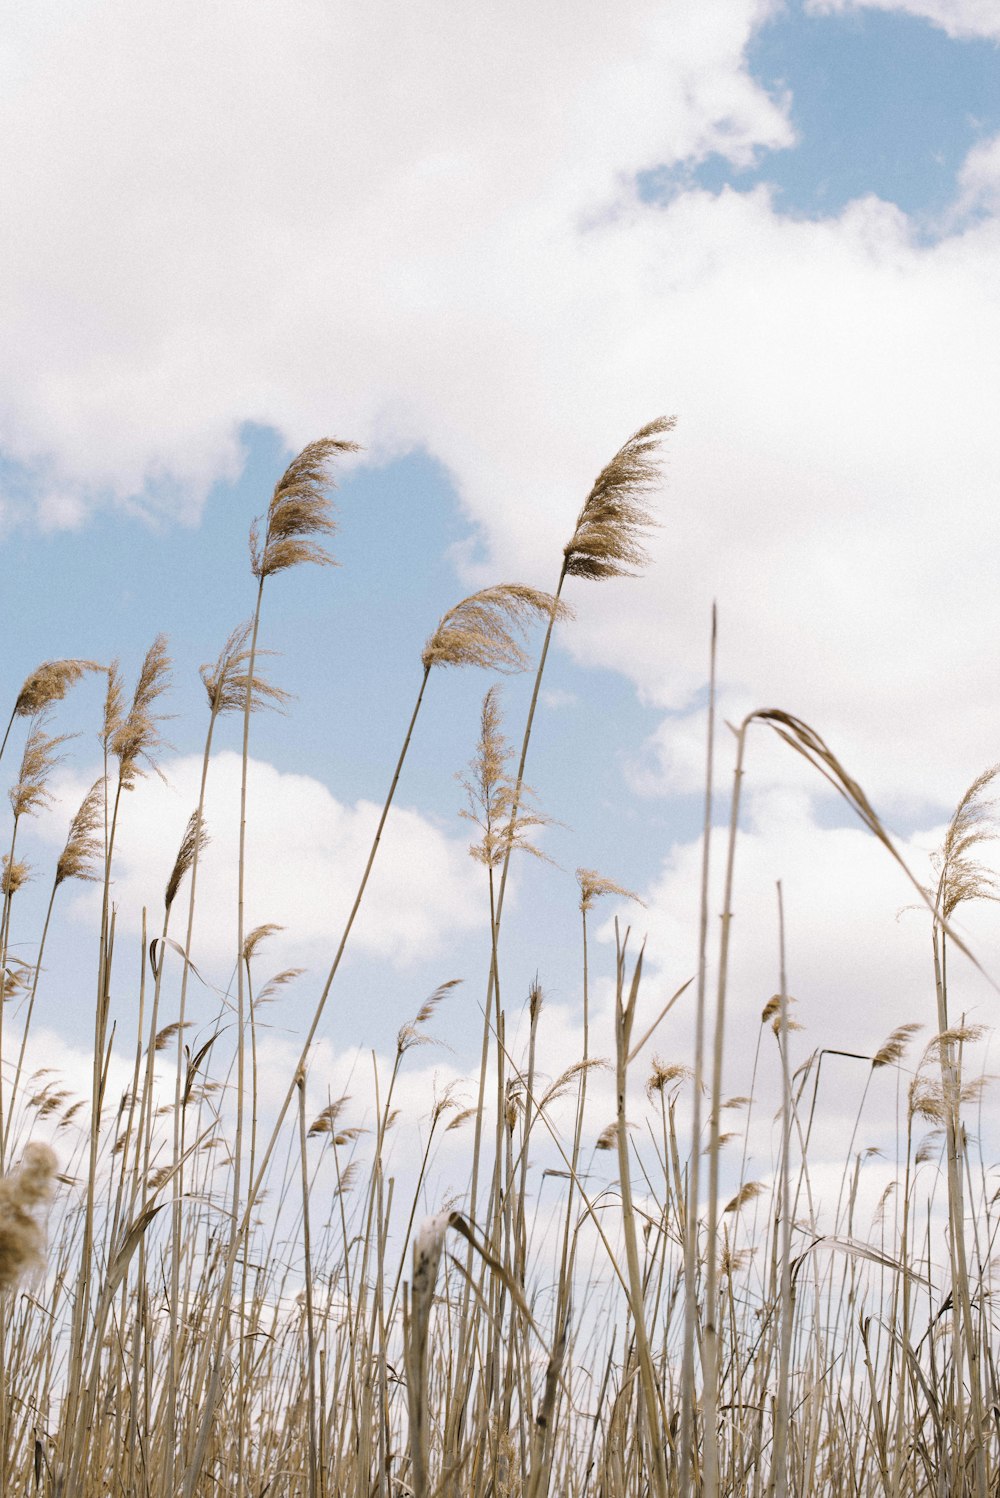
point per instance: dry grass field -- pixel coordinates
(205, 1296)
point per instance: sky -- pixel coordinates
(488, 253)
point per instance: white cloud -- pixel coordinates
(979, 181)
(372, 223)
(220, 222)
(305, 855)
(959, 18)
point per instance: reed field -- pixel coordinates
(207, 1291)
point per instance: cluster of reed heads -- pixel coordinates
(237, 1300)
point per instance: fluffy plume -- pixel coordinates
(411, 1034)
(300, 510)
(895, 1047)
(163, 1037)
(607, 539)
(563, 1083)
(136, 736)
(482, 630)
(925, 1100)
(664, 1074)
(962, 877)
(226, 682)
(194, 839)
(40, 754)
(593, 886)
(494, 799)
(49, 684)
(114, 706)
(748, 1192)
(15, 873)
(326, 1122)
(22, 1238)
(84, 845)
(16, 977)
(254, 938)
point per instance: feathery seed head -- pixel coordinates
(495, 800)
(895, 1047)
(84, 845)
(194, 840)
(748, 1192)
(22, 1238)
(136, 736)
(30, 793)
(326, 1122)
(226, 682)
(254, 938)
(50, 683)
(607, 539)
(962, 877)
(593, 886)
(483, 629)
(15, 873)
(663, 1074)
(15, 978)
(114, 706)
(300, 510)
(925, 1099)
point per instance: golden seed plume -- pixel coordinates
(163, 1037)
(483, 629)
(955, 1035)
(963, 877)
(114, 706)
(734, 1261)
(41, 753)
(562, 1083)
(411, 1034)
(136, 736)
(14, 875)
(724, 1139)
(925, 1100)
(429, 1005)
(49, 684)
(22, 1238)
(274, 985)
(17, 976)
(928, 1147)
(84, 844)
(664, 1074)
(192, 843)
(748, 1192)
(894, 1048)
(593, 886)
(300, 510)
(326, 1122)
(498, 807)
(607, 541)
(254, 938)
(226, 682)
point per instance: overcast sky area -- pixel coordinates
(487, 251)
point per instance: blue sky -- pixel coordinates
(779, 223)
